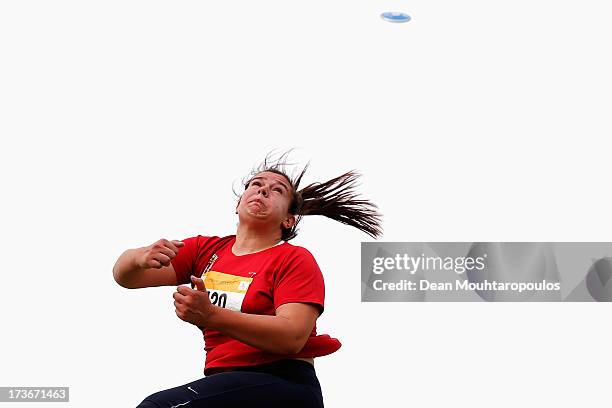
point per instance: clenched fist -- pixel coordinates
(158, 254)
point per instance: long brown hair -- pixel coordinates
(335, 198)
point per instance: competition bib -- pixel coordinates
(225, 290)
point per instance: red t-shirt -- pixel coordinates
(254, 283)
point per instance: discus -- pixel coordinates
(395, 17)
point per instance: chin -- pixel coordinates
(257, 215)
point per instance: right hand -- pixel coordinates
(158, 254)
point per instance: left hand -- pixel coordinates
(193, 305)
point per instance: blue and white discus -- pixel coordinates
(395, 17)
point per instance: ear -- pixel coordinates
(237, 206)
(289, 221)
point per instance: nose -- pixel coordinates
(263, 190)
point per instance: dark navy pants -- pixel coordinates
(283, 383)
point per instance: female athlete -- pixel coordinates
(255, 296)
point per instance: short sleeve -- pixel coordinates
(299, 280)
(184, 262)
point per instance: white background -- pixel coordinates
(123, 122)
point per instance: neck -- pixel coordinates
(249, 239)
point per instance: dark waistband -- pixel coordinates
(299, 371)
(288, 364)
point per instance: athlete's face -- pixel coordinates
(267, 199)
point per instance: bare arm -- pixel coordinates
(147, 266)
(285, 333)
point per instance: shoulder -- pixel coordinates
(295, 251)
(204, 241)
(298, 270)
(296, 257)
